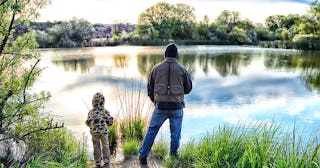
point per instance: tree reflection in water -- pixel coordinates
(224, 64)
(83, 64)
(307, 61)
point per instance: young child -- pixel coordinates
(98, 121)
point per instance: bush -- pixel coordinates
(133, 129)
(239, 36)
(307, 41)
(113, 136)
(130, 147)
(304, 37)
(160, 149)
(58, 148)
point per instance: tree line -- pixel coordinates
(165, 22)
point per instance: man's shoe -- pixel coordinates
(98, 165)
(106, 160)
(174, 154)
(143, 160)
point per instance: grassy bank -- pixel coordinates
(54, 149)
(255, 145)
(262, 146)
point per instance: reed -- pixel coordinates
(134, 110)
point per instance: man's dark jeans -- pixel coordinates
(157, 119)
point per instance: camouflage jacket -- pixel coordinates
(98, 117)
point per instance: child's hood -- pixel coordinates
(98, 100)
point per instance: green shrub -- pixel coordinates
(160, 149)
(307, 41)
(59, 148)
(133, 129)
(304, 37)
(113, 136)
(130, 147)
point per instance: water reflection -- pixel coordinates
(83, 64)
(231, 83)
(229, 64)
(225, 64)
(121, 60)
(308, 62)
(145, 62)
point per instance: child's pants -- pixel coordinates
(100, 141)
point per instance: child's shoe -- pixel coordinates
(98, 165)
(106, 160)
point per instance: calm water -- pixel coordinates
(232, 85)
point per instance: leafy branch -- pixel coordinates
(49, 127)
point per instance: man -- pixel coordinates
(167, 84)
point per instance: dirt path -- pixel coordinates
(132, 162)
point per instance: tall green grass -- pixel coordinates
(160, 148)
(260, 146)
(113, 136)
(130, 147)
(57, 148)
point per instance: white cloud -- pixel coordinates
(108, 11)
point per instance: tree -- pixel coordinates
(74, 33)
(122, 30)
(229, 28)
(82, 30)
(315, 11)
(203, 29)
(220, 31)
(229, 18)
(314, 14)
(263, 34)
(291, 20)
(306, 26)
(166, 21)
(238, 36)
(274, 22)
(19, 107)
(61, 35)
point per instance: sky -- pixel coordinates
(113, 11)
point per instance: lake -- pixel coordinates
(232, 85)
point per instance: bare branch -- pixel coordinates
(38, 6)
(27, 81)
(51, 127)
(3, 2)
(56, 126)
(4, 41)
(4, 99)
